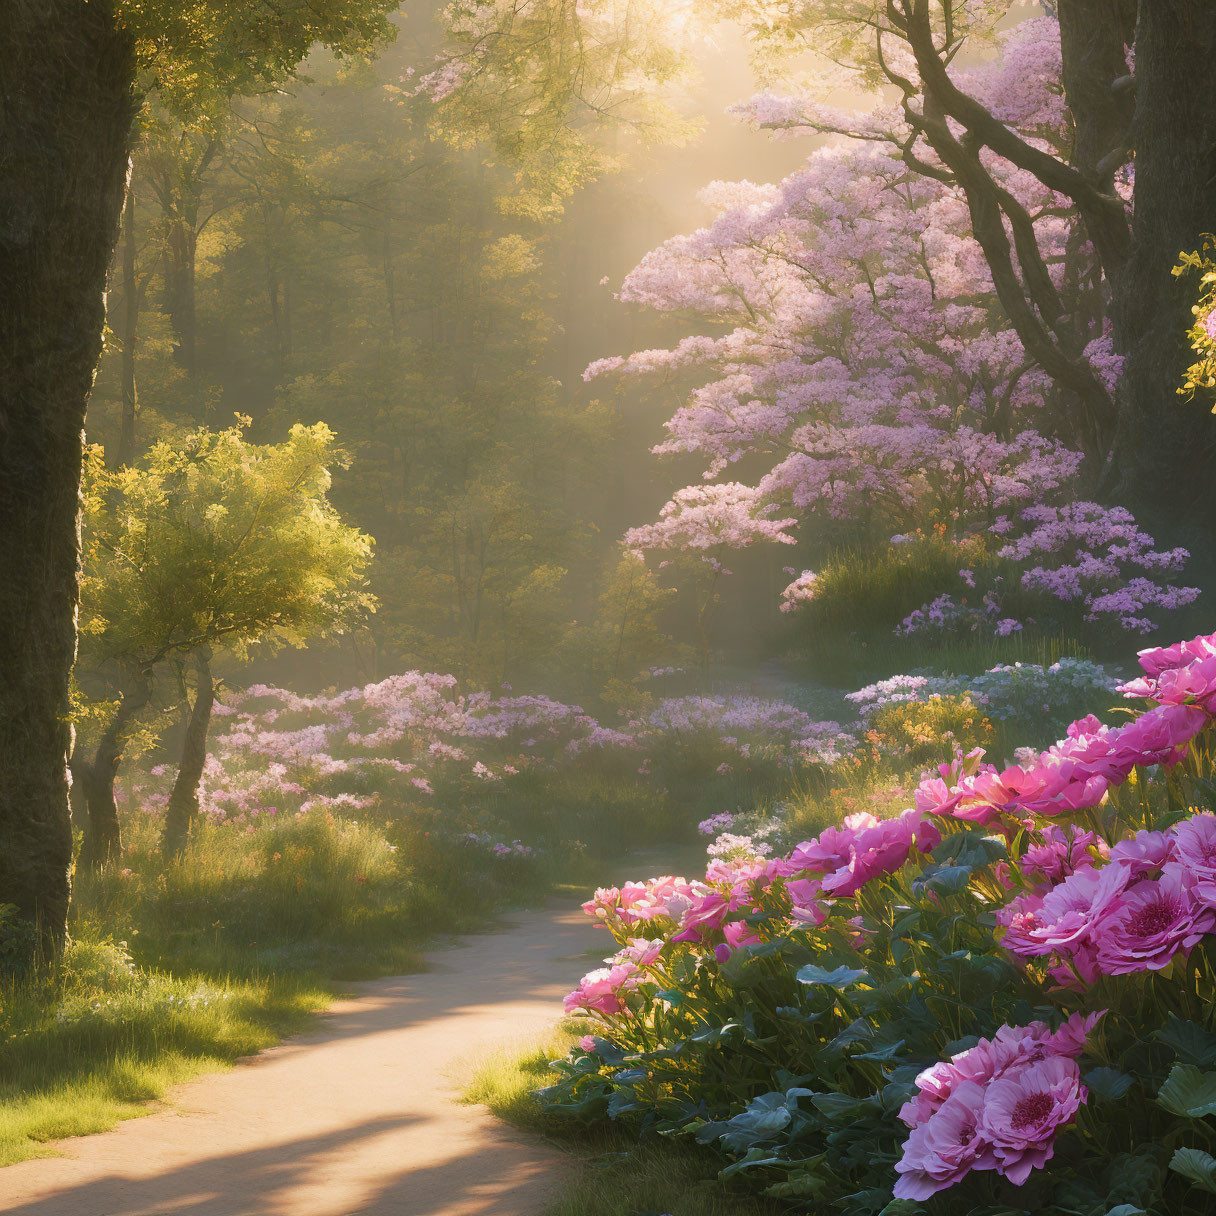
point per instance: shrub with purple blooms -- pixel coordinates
(999, 1000)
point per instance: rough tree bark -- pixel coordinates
(1165, 447)
(183, 806)
(66, 109)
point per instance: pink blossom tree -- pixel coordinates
(862, 351)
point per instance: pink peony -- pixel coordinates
(1024, 1110)
(640, 952)
(1195, 848)
(1071, 1037)
(737, 933)
(1146, 852)
(829, 851)
(705, 913)
(1061, 851)
(946, 1147)
(881, 849)
(1159, 736)
(1159, 659)
(1071, 915)
(1153, 921)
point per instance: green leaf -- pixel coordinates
(717, 1034)
(801, 1184)
(1108, 1084)
(944, 880)
(1188, 1091)
(1197, 1167)
(1190, 1043)
(841, 977)
(838, 1107)
(858, 1031)
(969, 848)
(901, 1207)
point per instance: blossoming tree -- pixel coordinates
(865, 348)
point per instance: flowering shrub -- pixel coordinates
(506, 772)
(998, 1000)
(919, 732)
(1026, 696)
(1098, 557)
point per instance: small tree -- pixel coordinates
(210, 542)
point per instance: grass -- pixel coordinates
(94, 1043)
(614, 1175)
(850, 661)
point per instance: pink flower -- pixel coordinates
(1025, 1109)
(1069, 917)
(1153, 921)
(946, 1147)
(1195, 848)
(861, 849)
(1070, 1039)
(601, 990)
(737, 933)
(829, 851)
(1160, 736)
(1061, 851)
(1164, 658)
(587, 1042)
(804, 900)
(1146, 852)
(640, 952)
(705, 913)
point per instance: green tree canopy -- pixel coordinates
(208, 542)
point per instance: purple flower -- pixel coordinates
(946, 1147)
(1025, 1109)
(1153, 921)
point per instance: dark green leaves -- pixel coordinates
(1107, 1084)
(840, 978)
(1190, 1043)
(1189, 1091)
(1197, 1167)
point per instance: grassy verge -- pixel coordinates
(614, 1176)
(94, 1045)
(178, 969)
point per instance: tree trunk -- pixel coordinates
(183, 800)
(1165, 446)
(66, 108)
(130, 330)
(103, 837)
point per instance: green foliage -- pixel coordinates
(847, 631)
(624, 637)
(868, 592)
(550, 88)
(621, 1179)
(217, 541)
(192, 51)
(94, 1041)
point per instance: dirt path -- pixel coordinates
(358, 1116)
